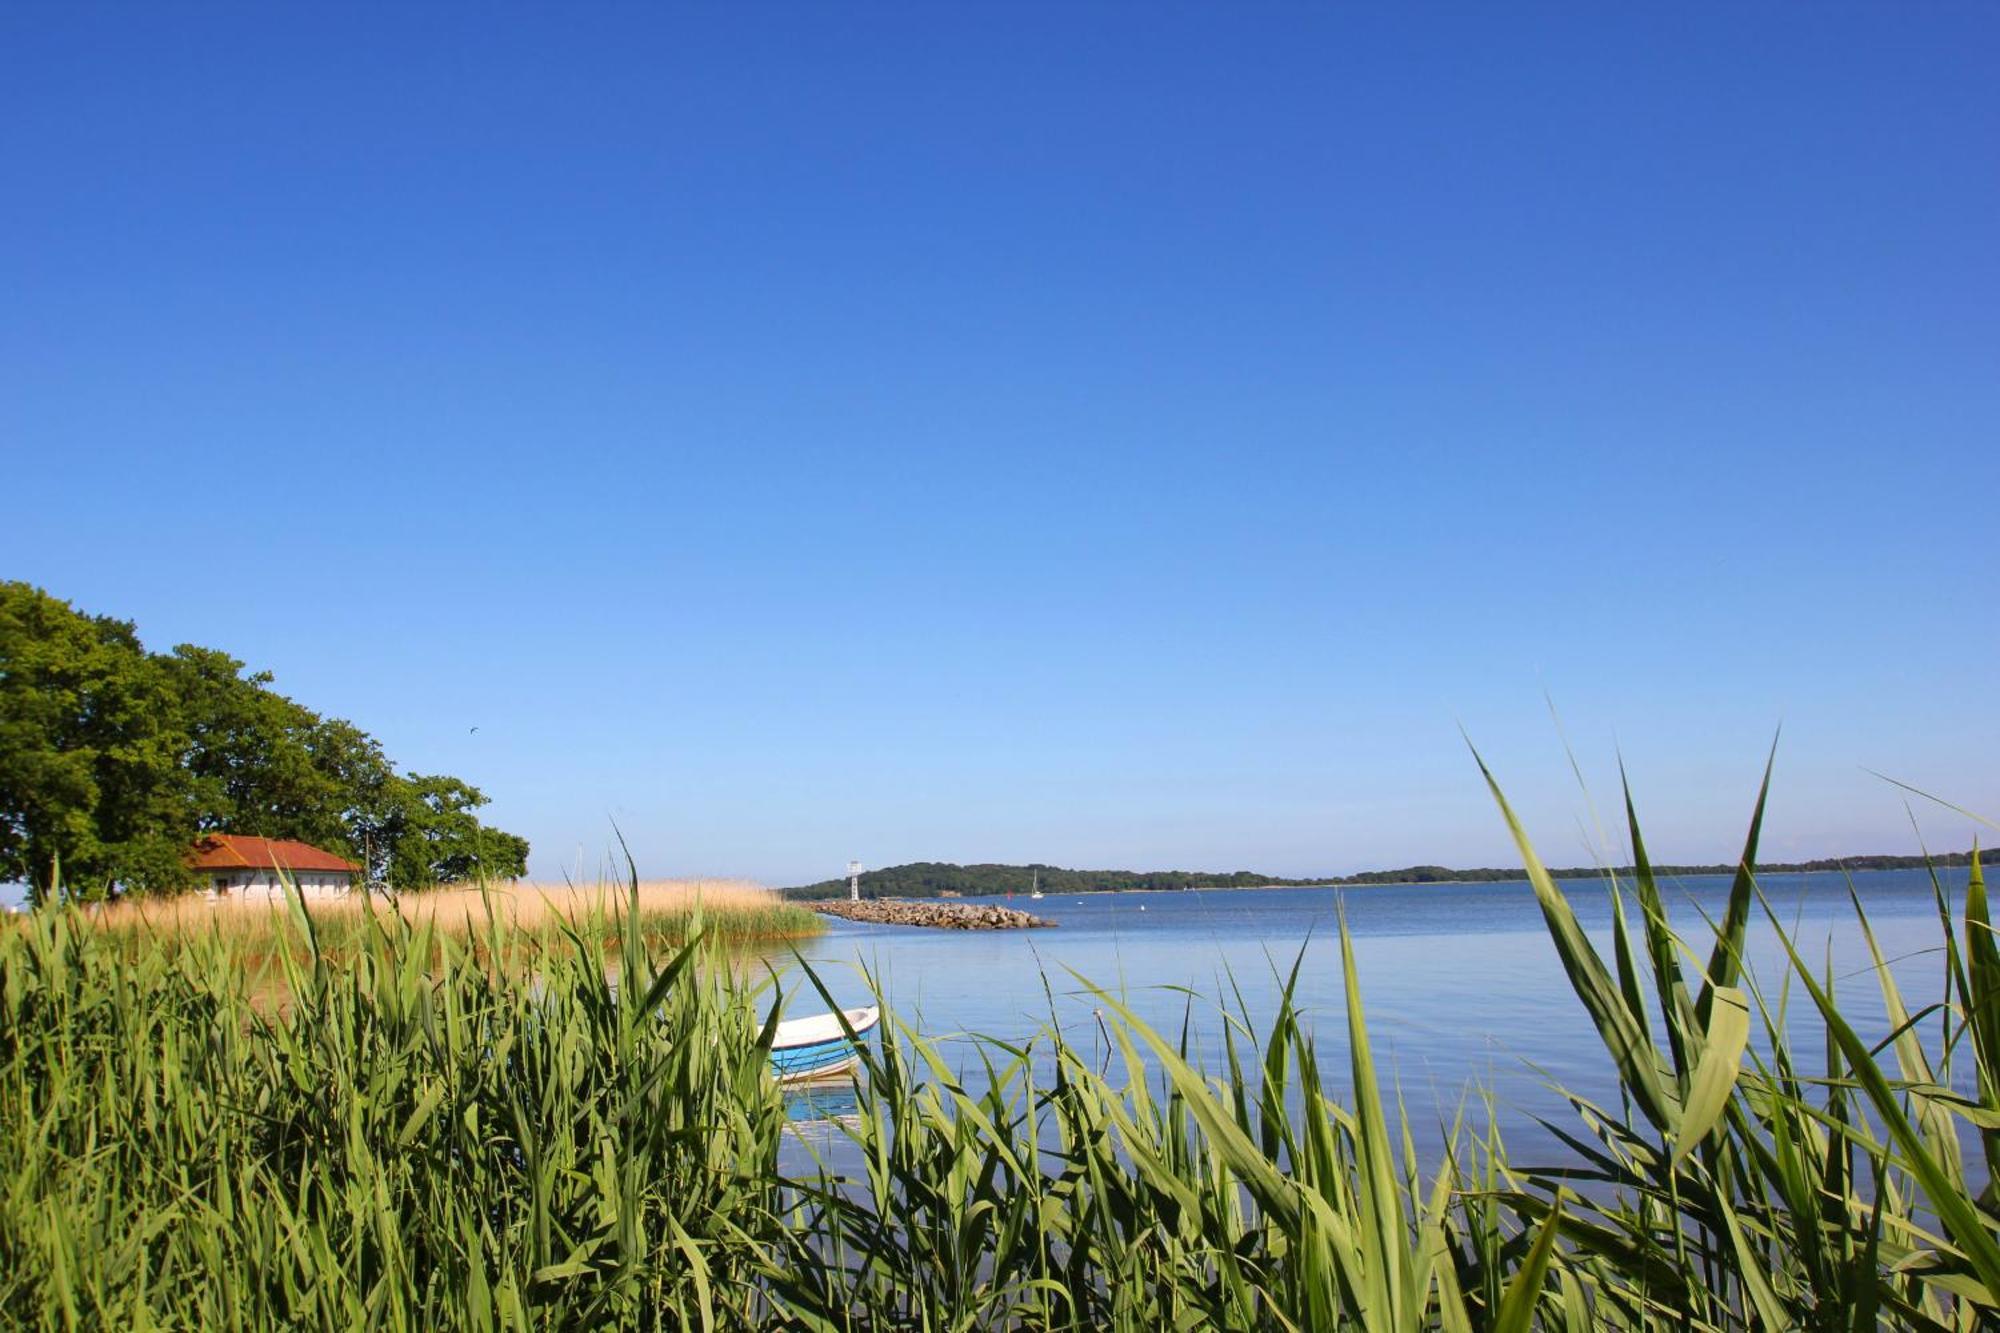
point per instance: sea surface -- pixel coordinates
(1461, 987)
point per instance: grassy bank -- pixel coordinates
(421, 1140)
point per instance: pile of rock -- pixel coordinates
(943, 916)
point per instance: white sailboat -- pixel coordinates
(1036, 892)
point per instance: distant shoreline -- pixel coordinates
(1561, 876)
(1623, 872)
(931, 879)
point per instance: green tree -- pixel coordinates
(430, 836)
(90, 741)
(247, 751)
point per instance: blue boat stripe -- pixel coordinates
(813, 1045)
(792, 1058)
(812, 1057)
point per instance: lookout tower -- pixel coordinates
(854, 881)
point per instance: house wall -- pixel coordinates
(265, 885)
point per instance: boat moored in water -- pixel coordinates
(819, 1046)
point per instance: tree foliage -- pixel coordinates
(926, 879)
(433, 837)
(113, 760)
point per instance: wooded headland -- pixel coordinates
(927, 879)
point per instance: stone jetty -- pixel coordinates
(942, 916)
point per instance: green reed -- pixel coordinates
(510, 1128)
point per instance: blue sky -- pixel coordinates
(1112, 436)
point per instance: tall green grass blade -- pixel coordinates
(1624, 1033)
(1676, 1009)
(1726, 960)
(1982, 1000)
(1386, 1254)
(1517, 1309)
(1715, 1074)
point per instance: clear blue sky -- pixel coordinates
(1114, 436)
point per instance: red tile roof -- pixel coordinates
(230, 851)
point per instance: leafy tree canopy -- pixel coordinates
(113, 760)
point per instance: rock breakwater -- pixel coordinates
(940, 916)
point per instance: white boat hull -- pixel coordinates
(807, 1049)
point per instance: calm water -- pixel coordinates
(1460, 983)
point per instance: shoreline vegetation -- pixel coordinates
(733, 912)
(931, 879)
(514, 1132)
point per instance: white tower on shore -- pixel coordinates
(854, 881)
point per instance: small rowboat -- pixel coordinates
(818, 1047)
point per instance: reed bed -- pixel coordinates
(421, 1140)
(733, 910)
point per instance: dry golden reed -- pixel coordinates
(732, 907)
(531, 905)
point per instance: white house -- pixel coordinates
(232, 866)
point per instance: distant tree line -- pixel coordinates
(1489, 874)
(927, 879)
(114, 760)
